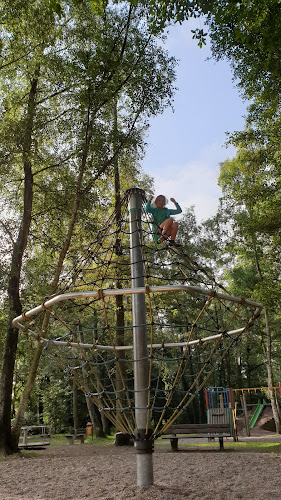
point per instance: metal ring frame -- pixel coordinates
(132, 291)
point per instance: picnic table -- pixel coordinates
(31, 432)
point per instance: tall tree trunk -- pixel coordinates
(239, 377)
(272, 394)
(35, 362)
(120, 315)
(195, 404)
(93, 411)
(7, 445)
(248, 366)
(106, 424)
(96, 419)
(26, 392)
(75, 405)
(228, 370)
(202, 404)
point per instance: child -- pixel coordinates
(163, 224)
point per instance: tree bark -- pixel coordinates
(272, 394)
(25, 395)
(93, 411)
(75, 406)
(7, 445)
(120, 315)
(95, 419)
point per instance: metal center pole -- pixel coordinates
(143, 440)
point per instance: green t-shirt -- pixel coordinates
(159, 215)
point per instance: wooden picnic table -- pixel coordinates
(27, 443)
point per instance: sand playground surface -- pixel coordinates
(76, 472)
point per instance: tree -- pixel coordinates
(247, 181)
(89, 60)
(249, 37)
(21, 157)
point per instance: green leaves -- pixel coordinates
(250, 38)
(97, 6)
(56, 6)
(198, 34)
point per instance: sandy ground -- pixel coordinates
(109, 473)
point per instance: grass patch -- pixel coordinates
(231, 446)
(264, 447)
(60, 440)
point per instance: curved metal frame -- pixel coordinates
(131, 291)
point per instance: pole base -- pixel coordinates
(144, 443)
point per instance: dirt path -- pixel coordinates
(109, 473)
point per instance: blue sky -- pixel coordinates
(186, 146)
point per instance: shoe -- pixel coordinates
(163, 237)
(172, 243)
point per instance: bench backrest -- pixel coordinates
(197, 428)
(79, 431)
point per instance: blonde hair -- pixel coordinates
(161, 196)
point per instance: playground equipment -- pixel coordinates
(220, 408)
(262, 393)
(257, 413)
(255, 390)
(218, 397)
(130, 338)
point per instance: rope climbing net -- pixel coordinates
(189, 326)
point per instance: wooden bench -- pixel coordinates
(79, 434)
(188, 431)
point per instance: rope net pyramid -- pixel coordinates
(189, 323)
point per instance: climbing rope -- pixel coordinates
(188, 325)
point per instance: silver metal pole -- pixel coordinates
(143, 441)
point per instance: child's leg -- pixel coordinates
(167, 226)
(174, 230)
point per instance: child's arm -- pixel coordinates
(177, 210)
(148, 207)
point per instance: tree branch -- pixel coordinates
(53, 95)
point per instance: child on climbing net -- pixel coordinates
(163, 224)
